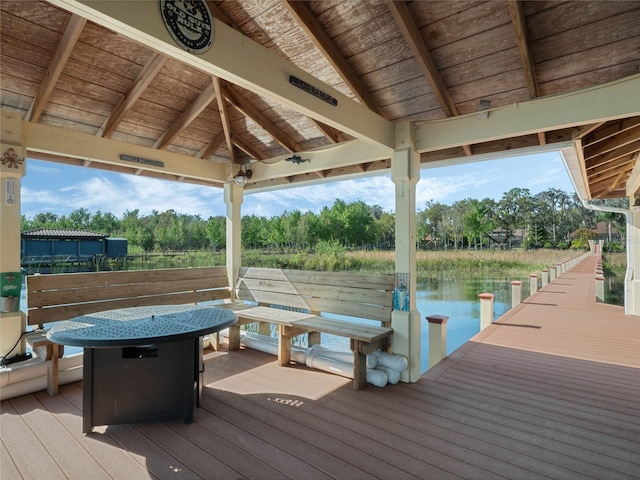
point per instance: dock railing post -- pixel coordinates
(599, 288)
(437, 338)
(545, 277)
(516, 293)
(533, 283)
(559, 270)
(552, 273)
(486, 309)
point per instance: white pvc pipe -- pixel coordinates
(31, 376)
(378, 378)
(396, 362)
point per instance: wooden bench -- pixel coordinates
(55, 297)
(294, 299)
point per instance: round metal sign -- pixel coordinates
(189, 23)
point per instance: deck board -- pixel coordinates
(550, 392)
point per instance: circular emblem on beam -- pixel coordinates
(189, 23)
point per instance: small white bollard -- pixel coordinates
(533, 283)
(516, 293)
(545, 277)
(486, 309)
(599, 288)
(437, 338)
(552, 272)
(559, 270)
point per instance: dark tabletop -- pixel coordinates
(141, 325)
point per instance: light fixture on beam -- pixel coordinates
(243, 176)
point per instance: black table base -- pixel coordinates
(141, 383)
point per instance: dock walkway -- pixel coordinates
(550, 391)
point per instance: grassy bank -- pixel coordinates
(508, 263)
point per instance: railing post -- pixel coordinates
(599, 288)
(486, 309)
(533, 283)
(559, 270)
(516, 293)
(552, 272)
(437, 338)
(545, 277)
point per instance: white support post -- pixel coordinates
(233, 196)
(552, 273)
(12, 169)
(405, 173)
(545, 277)
(632, 279)
(486, 309)
(533, 283)
(516, 293)
(437, 338)
(599, 288)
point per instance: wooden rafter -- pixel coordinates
(318, 35)
(516, 11)
(213, 145)
(332, 134)
(57, 64)
(413, 37)
(420, 50)
(585, 130)
(250, 150)
(611, 142)
(142, 81)
(188, 116)
(245, 107)
(613, 157)
(224, 117)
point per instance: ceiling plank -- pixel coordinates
(318, 35)
(224, 118)
(612, 143)
(516, 11)
(57, 64)
(414, 38)
(245, 107)
(612, 157)
(142, 81)
(188, 116)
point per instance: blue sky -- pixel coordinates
(61, 189)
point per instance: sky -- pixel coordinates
(61, 189)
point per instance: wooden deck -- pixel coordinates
(551, 391)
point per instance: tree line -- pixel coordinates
(552, 218)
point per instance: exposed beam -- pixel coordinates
(239, 60)
(47, 140)
(516, 11)
(610, 101)
(224, 118)
(247, 108)
(188, 116)
(412, 34)
(142, 81)
(57, 64)
(318, 35)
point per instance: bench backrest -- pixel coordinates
(63, 296)
(355, 295)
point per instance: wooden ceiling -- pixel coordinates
(419, 62)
